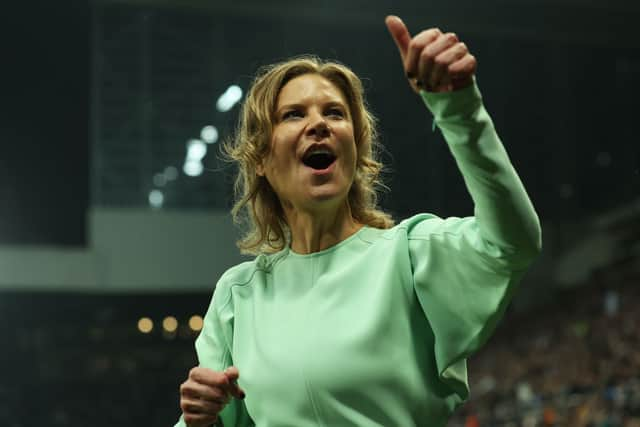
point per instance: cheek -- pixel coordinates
(354, 161)
(353, 153)
(279, 160)
(283, 144)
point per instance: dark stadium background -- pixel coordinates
(100, 226)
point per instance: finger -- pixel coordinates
(199, 406)
(233, 374)
(452, 54)
(399, 33)
(416, 46)
(236, 391)
(430, 71)
(464, 67)
(196, 420)
(208, 377)
(442, 61)
(199, 391)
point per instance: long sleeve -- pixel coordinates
(213, 347)
(505, 214)
(465, 270)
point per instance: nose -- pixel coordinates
(319, 128)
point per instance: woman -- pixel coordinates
(344, 319)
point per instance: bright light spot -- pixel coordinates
(196, 149)
(193, 168)
(156, 198)
(159, 180)
(170, 324)
(195, 323)
(170, 173)
(229, 98)
(145, 325)
(209, 134)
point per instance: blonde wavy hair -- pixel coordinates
(257, 206)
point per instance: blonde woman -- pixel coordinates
(343, 318)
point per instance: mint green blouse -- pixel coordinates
(376, 330)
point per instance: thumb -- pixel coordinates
(400, 34)
(232, 375)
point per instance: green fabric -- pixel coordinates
(375, 331)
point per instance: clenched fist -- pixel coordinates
(433, 60)
(205, 393)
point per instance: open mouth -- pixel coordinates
(319, 161)
(319, 158)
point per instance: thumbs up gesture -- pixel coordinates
(433, 60)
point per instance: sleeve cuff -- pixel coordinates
(450, 105)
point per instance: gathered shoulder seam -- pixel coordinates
(227, 297)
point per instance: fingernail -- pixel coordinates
(410, 75)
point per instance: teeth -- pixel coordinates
(318, 150)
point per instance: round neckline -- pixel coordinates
(329, 249)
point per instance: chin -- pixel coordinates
(327, 195)
(324, 196)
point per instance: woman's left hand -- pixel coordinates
(433, 60)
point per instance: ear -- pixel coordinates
(260, 169)
(261, 163)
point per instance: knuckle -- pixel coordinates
(463, 47)
(452, 37)
(217, 393)
(425, 55)
(415, 44)
(186, 387)
(223, 381)
(440, 61)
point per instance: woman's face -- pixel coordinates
(312, 158)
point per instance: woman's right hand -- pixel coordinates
(206, 392)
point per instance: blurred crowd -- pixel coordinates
(86, 363)
(573, 363)
(576, 363)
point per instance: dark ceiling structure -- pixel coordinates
(557, 79)
(134, 82)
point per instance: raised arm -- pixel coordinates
(441, 69)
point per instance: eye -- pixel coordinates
(292, 114)
(335, 112)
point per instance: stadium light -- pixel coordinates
(171, 173)
(145, 325)
(229, 98)
(170, 324)
(209, 134)
(196, 322)
(196, 149)
(193, 168)
(156, 199)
